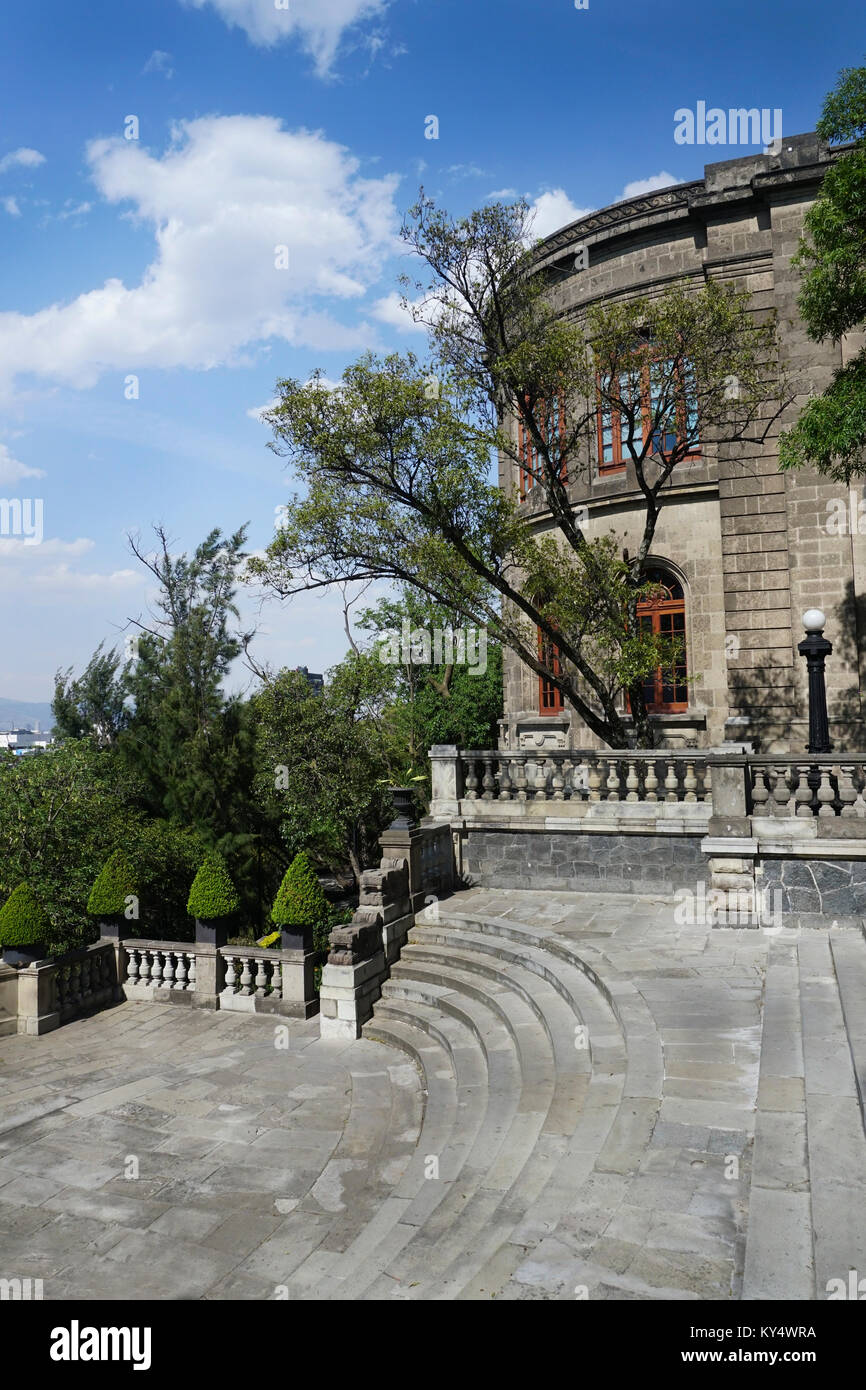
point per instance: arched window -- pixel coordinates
(666, 691)
(549, 695)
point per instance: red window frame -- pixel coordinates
(620, 457)
(549, 695)
(528, 454)
(660, 615)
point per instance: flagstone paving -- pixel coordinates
(560, 1096)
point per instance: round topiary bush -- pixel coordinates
(23, 919)
(300, 901)
(114, 884)
(213, 895)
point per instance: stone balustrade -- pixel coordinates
(807, 787)
(153, 966)
(253, 976)
(584, 775)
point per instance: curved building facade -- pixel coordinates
(741, 550)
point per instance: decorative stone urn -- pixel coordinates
(403, 802)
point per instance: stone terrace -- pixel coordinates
(564, 1168)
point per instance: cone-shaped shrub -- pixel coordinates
(114, 884)
(300, 901)
(23, 919)
(213, 895)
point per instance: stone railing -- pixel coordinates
(253, 977)
(40, 997)
(250, 979)
(584, 775)
(154, 966)
(805, 787)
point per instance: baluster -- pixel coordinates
(612, 782)
(520, 776)
(708, 784)
(246, 976)
(859, 782)
(847, 789)
(505, 782)
(541, 775)
(75, 984)
(594, 777)
(651, 781)
(690, 782)
(826, 795)
(760, 791)
(803, 793)
(61, 989)
(779, 805)
(260, 977)
(560, 768)
(156, 971)
(580, 781)
(671, 781)
(146, 962)
(191, 973)
(277, 979)
(471, 780)
(85, 980)
(488, 781)
(181, 972)
(632, 781)
(168, 972)
(231, 975)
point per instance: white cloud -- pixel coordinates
(553, 210)
(13, 471)
(639, 186)
(390, 310)
(10, 205)
(73, 209)
(225, 195)
(501, 193)
(159, 61)
(320, 25)
(23, 158)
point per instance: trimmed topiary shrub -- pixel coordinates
(23, 919)
(213, 895)
(114, 884)
(300, 901)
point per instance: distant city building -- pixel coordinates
(316, 683)
(21, 741)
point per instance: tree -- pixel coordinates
(23, 919)
(318, 761)
(59, 813)
(93, 706)
(213, 895)
(830, 434)
(395, 462)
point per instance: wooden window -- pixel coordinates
(549, 695)
(644, 389)
(531, 468)
(666, 691)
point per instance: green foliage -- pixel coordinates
(58, 812)
(830, 434)
(23, 919)
(94, 705)
(115, 883)
(318, 763)
(300, 901)
(212, 895)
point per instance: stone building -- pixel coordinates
(742, 549)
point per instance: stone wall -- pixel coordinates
(817, 892)
(583, 862)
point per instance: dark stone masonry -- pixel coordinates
(823, 888)
(583, 862)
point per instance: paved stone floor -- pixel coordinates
(712, 1148)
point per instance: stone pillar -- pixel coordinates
(447, 781)
(362, 951)
(8, 1000)
(37, 1011)
(298, 965)
(210, 977)
(730, 849)
(120, 963)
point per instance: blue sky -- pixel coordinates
(301, 126)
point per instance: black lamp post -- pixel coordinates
(815, 648)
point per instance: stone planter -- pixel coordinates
(214, 932)
(114, 928)
(22, 956)
(296, 938)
